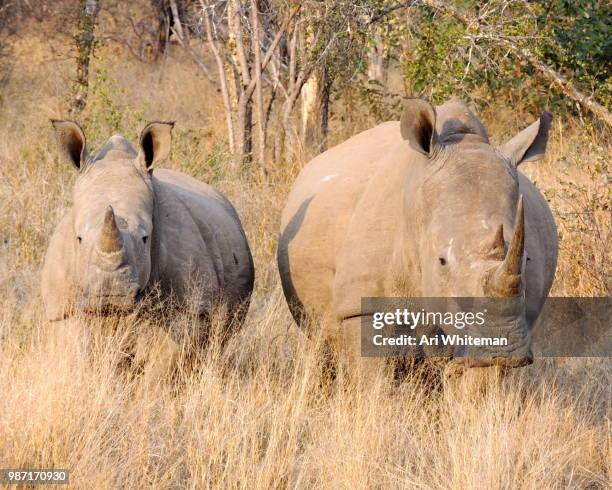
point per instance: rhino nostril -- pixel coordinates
(138, 296)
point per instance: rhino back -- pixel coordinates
(353, 160)
(335, 226)
(197, 223)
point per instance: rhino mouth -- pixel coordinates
(502, 360)
(516, 353)
(108, 304)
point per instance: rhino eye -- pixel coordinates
(79, 239)
(145, 239)
(442, 261)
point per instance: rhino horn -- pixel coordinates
(498, 240)
(514, 259)
(507, 277)
(497, 247)
(110, 239)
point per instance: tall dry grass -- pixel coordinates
(259, 413)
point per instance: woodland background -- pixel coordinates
(257, 87)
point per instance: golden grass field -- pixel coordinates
(260, 414)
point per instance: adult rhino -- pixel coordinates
(426, 207)
(132, 227)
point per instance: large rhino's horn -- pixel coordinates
(506, 279)
(110, 241)
(514, 259)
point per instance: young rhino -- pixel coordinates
(131, 227)
(426, 207)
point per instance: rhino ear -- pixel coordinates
(418, 125)
(155, 143)
(530, 144)
(71, 142)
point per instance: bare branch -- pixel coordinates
(197, 59)
(272, 48)
(563, 84)
(259, 109)
(222, 77)
(235, 26)
(178, 28)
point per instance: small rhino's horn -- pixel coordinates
(498, 240)
(497, 247)
(110, 238)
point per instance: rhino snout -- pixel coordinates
(108, 295)
(516, 353)
(515, 359)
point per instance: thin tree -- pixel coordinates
(325, 34)
(246, 57)
(85, 42)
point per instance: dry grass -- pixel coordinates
(259, 413)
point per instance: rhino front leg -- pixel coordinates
(157, 354)
(366, 368)
(71, 335)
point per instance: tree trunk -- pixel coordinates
(177, 24)
(241, 68)
(245, 129)
(163, 19)
(256, 43)
(85, 45)
(223, 81)
(377, 63)
(315, 109)
(290, 136)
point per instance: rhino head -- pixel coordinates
(466, 211)
(112, 215)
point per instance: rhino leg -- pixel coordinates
(157, 353)
(367, 369)
(72, 334)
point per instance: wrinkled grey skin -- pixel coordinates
(426, 207)
(132, 227)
